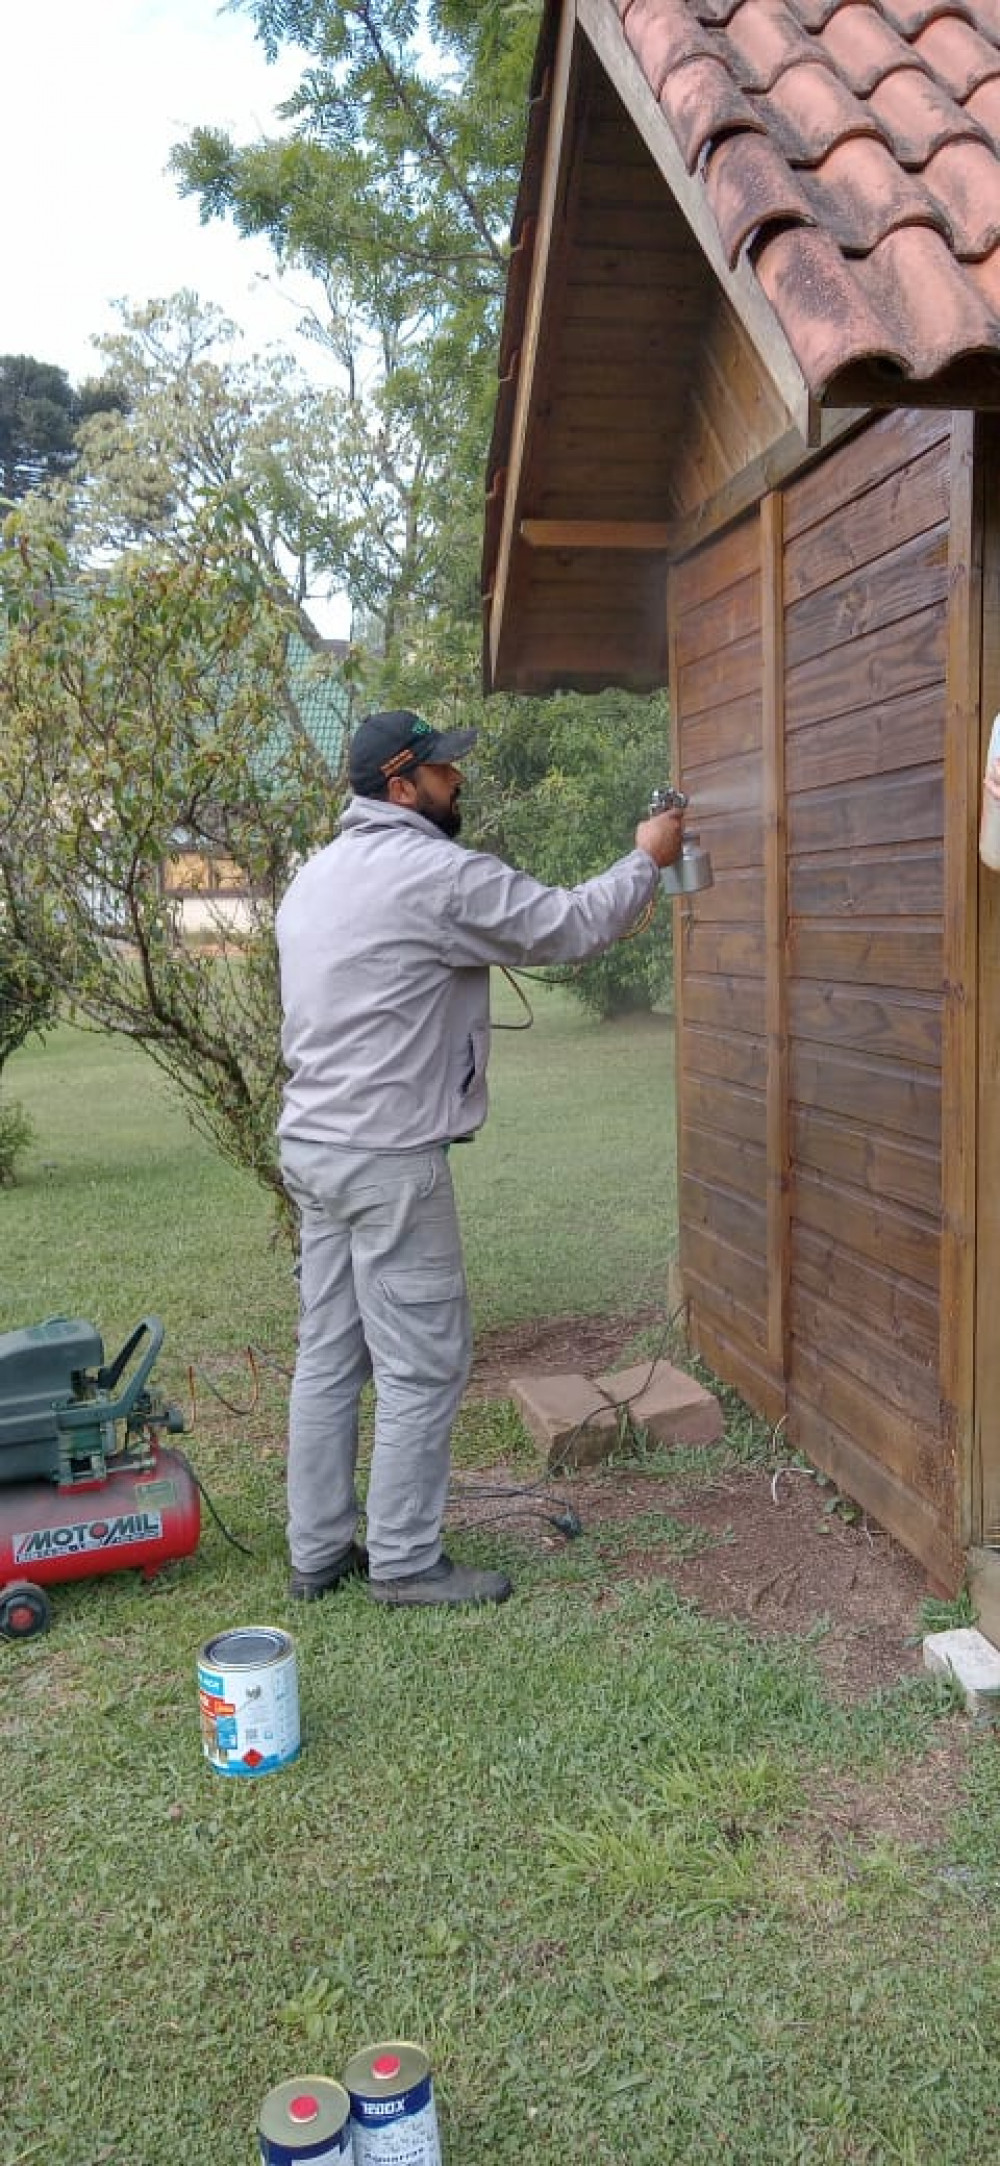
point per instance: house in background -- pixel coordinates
(747, 443)
(208, 890)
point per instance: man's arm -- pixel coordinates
(498, 915)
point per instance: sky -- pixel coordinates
(95, 97)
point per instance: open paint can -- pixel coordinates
(248, 1693)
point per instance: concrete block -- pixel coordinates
(568, 1418)
(671, 1406)
(973, 1662)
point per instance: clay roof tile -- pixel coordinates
(957, 56)
(964, 178)
(808, 110)
(859, 194)
(937, 312)
(751, 186)
(919, 117)
(702, 104)
(982, 109)
(863, 47)
(764, 38)
(663, 33)
(821, 305)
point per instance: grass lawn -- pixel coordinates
(585, 1848)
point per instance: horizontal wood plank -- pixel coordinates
(865, 1088)
(855, 534)
(868, 953)
(733, 1358)
(732, 1284)
(916, 1523)
(882, 665)
(727, 1054)
(907, 731)
(906, 1447)
(903, 1026)
(732, 1161)
(724, 1109)
(885, 447)
(731, 729)
(878, 883)
(906, 1314)
(845, 1337)
(903, 581)
(893, 1238)
(883, 1165)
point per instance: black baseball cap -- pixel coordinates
(390, 744)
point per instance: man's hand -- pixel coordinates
(662, 836)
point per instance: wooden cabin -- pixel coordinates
(747, 444)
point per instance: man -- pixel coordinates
(386, 938)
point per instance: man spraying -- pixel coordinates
(386, 938)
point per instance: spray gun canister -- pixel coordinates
(692, 870)
(989, 825)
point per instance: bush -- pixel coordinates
(16, 1132)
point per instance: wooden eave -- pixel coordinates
(608, 446)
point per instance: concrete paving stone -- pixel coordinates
(973, 1662)
(568, 1418)
(575, 1421)
(670, 1405)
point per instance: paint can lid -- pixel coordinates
(389, 2068)
(386, 2066)
(316, 2103)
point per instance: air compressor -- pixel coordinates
(86, 1485)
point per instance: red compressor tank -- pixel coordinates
(138, 1517)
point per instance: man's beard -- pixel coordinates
(447, 818)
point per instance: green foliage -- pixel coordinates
(16, 1132)
(142, 711)
(38, 416)
(27, 997)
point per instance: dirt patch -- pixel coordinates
(779, 1557)
(562, 1344)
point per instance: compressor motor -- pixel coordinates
(86, 1487)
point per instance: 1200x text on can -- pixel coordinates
(393, 2115)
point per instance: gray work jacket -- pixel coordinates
(385, 940)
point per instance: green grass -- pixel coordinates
(586, 1848)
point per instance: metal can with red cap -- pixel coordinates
(306, 2122)
(393, 2115)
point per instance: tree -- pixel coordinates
(39, 411)
(393, 186)
(191, 419)
(143, 705)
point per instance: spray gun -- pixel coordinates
(692, 870)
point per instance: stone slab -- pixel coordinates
(568, 1417)
(973, 1662)
(670, 1405)
(574, 1419)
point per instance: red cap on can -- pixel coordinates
(387, 2065)
(305, 2108)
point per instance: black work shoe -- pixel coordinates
(444, 1585)
(352, 1563)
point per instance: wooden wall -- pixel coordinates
(809, 654)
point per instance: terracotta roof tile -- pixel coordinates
(982, 110)
(957, 56)
(662, 35)
(851, 152)
(702, 104)
(765, 38)
(863, 47)
(919, 117)
(860, 193)
(750, 185)
(964, 179)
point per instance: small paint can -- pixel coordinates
(393, 2115)
(248, 1692)
(306, 2119)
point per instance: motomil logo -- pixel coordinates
(43, 1543)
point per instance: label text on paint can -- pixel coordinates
(393, 2115)
(249, 1700)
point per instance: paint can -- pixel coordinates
(307, 2119)
(393, 2115)
(248, 1692)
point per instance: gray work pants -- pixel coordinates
(383, 1295)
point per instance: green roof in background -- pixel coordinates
(321, 697)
